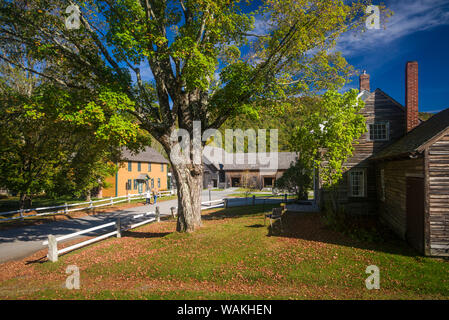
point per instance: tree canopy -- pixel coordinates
(206, 59)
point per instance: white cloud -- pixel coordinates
(409, 17)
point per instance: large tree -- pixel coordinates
(54, 140)
(207, 60)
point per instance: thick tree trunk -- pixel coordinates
(189, 182)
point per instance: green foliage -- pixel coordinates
(297, 179)
(325, 138)
(60, 141)
(184, 45)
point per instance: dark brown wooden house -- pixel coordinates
(400, 168)
(385, 123)
(247, 173)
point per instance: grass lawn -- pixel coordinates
(231, 257)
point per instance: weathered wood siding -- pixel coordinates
(392, 209)
(378, 107)
(438, 184)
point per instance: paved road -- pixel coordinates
(22, 242)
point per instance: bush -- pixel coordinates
(297, 179)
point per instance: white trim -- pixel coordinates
(362, 183)
(387, 123)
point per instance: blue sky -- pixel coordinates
(419, 30)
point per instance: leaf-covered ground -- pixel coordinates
(231, 257)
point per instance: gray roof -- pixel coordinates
(147, 155)
(248, 161)
(416, 140)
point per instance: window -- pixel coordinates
(139, 166)
(135, 184)
(128, 184)
(379, 131)
(162, 167)
(158, 182)
(357, 183)
(152, 183)
(149, 166)
(130, 166)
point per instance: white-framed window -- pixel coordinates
(357, 183)
(379, 131)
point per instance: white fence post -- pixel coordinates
(112, 201)
(65, 208)
(119, 231)
(158, 214)
(90, 204)
(129, 199)
(52, 248)
(21, 214)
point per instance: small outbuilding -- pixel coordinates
(413, 179)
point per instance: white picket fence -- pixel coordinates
(66, 208)
(52, 241)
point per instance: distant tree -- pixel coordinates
(297, 180)
(425, 115)
(57, 141)
(248, 183)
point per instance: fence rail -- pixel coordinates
(84, 206)
(52, 242)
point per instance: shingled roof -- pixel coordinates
(416, 140)
(247, 161)
(147, 155)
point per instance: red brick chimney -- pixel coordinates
(411, 95)
(364, 81)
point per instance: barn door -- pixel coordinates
(415, 213)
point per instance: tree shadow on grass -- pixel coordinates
(238, 212)
(145, 235)
(311, 227)
(258, 225)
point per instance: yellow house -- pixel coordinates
(138, 173)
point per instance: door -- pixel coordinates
(415, 213)
(140, 186)
(235, 182)
(268, 182)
